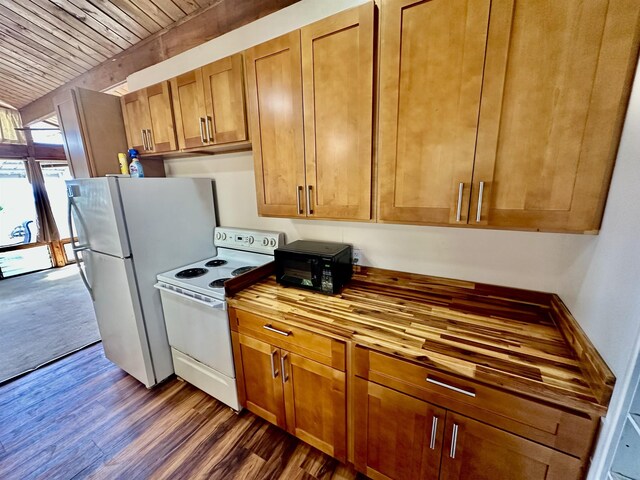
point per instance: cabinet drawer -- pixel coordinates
(572, 433)
(294, 339)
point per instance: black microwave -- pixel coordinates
(321, 266)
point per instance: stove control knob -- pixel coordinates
(251, 239)
(265, 241)
(224, 236)
(218, 235)
(272, 242)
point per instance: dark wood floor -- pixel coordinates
(82, 417)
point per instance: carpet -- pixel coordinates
(43, 316)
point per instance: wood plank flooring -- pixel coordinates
(82, 417)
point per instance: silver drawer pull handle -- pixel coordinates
(450, 387)
(204, 140)
(275, 330)
(454, 441)
(434, 432)
(459, 209)
(298, 192)
(285, 377)
(209, 121)
(480, 194)
(309, 207)
(274, 372)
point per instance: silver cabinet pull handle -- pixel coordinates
(274, 372)
(209, 121)
(144, 139)
(450, 387)
(480, 194)
(298, 192)
(309, 208)
(459, 208)
(149, 140)
(454, 441)
(275, 330)
(285, 377)
(204, 140)
(434, 432)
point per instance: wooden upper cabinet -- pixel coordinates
(396, 436)
(209, 104)
(93, 131)
(135, 111)
(188, 105)
(315, 402)
(337, 72)
(224, 100)
(274, 85)
(431, 66)
(148, 118)
(555, 92)
(320, 167)
(162, 137)
(481, 452)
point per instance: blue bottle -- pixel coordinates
(135, 167)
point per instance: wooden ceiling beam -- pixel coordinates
(37, 50)
(77, 18)
(40, 37)
(32, 56)
(220, 17)
(113, 19)
(40, 16)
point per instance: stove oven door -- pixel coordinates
(198, 326)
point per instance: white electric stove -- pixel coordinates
(195, 310)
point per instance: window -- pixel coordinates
(17, 210)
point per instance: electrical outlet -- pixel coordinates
(357, 256)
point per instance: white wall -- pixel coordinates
(601, 286)
(597, 276)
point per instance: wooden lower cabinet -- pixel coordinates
(305, 397)
(262, 382)
(399, 437)
(315, 404)
(482, 452)
(396, 436)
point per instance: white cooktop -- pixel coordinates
(234, 259)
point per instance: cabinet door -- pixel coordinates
(473, 450)
(263, 386)
(337, 72)
(162, 133)
(135, 111)
(187, 93)
(224, 99)
(555, 91)
(396, 436)
(315, 404)
(431, 66)
(274, 85)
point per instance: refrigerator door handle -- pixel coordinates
(75, 248)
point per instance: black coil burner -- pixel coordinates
(241, 270)
(219, 283)
(215, 263)
(191, 273)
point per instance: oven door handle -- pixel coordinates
(211, 303)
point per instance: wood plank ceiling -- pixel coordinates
(46, 43)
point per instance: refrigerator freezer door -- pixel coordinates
(119, 315)
(98, 217)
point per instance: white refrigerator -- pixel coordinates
(128, 230)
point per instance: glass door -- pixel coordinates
(19, 250)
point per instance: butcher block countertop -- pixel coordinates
(518, 340)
